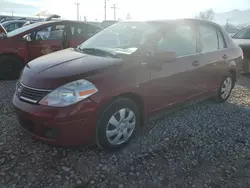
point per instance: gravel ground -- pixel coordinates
(203, 145)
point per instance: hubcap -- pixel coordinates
(226, 88)
(121, 126)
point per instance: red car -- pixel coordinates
(107, 87)
(27, 43)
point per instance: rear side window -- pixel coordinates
(180, 38)
(208, 38)
(83, 30)
(20, 24)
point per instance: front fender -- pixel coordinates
(20, 53)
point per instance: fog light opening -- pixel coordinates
(50, 133)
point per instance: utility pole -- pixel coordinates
(114, 7)
(77, 7)
(105, 9)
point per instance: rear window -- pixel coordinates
(83, 30)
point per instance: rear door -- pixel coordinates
(47, 40)
(178, 81)
(80, 32)
(215, 55)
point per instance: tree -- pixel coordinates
(206, 15)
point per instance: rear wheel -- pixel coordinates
(225, 89)
(117, 124)
(10, 67)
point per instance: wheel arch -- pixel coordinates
(132, 96)
(13, 55)
(233, 73)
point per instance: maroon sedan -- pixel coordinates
(107, 87)
(29, 42)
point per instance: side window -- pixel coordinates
(180, 38)
(19, 25)
(221, 41)
(208, 38)
(243, 34)
(54, 32)
(11, 27)
(83, 30)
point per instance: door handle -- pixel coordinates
(224, 56)
(196, 63)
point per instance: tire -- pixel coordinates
(223, 94)
(10, 67)
(113, 113)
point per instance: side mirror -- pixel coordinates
(166, 56)
(3, 35)
(3, 32)
(26, 38)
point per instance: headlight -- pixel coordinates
(69, 94)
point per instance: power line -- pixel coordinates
(77, 7)
(114, 7)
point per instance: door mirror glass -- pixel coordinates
(166, 56)
(27, 38)
(3, 33)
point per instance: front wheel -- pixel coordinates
(117, 124)
(10, 67)
(225, 89)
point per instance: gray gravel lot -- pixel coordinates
(203, 145)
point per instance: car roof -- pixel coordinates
(14, 21)
(48, 22)
(72, 21)
(176, 20)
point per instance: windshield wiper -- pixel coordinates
(97, 52)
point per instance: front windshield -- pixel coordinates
(122, 35)
(23, 29)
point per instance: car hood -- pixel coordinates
(55, 69)
(242, 42)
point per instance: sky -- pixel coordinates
(139, 9)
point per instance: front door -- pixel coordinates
(177, 81)
(46, 40)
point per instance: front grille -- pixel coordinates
(30, 94)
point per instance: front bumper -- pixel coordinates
(68, 126)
